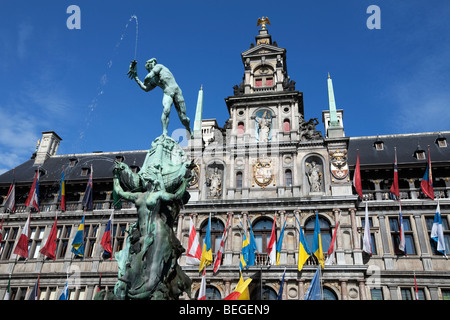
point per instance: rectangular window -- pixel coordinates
(258, 83)
(445, 294)
(394, 225)
(377, 294)
(429, 223)
(269, 82)
(406, 294)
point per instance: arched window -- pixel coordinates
(325, 232)
(262, 230)
(212, 293)
(217, 228)
(288, 177)
(263, 293)
(329, 294)
(286, 125)
(239, 179)
(241, 128)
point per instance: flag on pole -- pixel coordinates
(49, 248)
(8, 290)
(245, 252)
(427, 181)
(87, 202)
(34, 295)
(303, 249)
(65, 292)
(202, 290)
(33, 195)
(332, 249)
(437, 233)
(395, 191)
(271, 246)
(280, 292)
(62, 191)
(1, 234)
(357, 178)
(402, 244)
(317, 242)
(10, 202)
(314, 291)
(415, 287)
(221, 248)
(280, 243)
(367, 243)
(253, 249)
(106, 241)
(241, 291)
(206, 258)
(194, 253)
(78, 240)
(22, 245)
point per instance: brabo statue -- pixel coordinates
(159, 76)
(147, 265)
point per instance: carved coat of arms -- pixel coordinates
(338, 164)
(263, 173)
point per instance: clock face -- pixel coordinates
(196, 174)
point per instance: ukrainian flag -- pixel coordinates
(279, 243)
(78, 241)
(245, 253)
(317, 242)
(206, 258)
(303, 249)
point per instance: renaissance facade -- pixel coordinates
(267, 162)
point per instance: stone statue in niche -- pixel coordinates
(314, 176)
(263, 123)
(214, 182)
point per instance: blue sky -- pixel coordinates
(73, 82)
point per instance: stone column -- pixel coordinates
(340, 256)
(357, 252)
(344, 292)
(422, 234)
(301, 289)
(362, 289)
(227, 287)
(387, 256)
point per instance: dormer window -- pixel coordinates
(73, 162)
(419, 154)
(441, 141)
(120, 158)
(85, 171)
(378, 144)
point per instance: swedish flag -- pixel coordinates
(78, 240)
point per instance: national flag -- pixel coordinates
(34, 295)
(106, 241)
(194, 253)
(65, 292)
(10, 202)
(395, 191)
(206, 258)
(357, 178)
(221, 248)
(280, 243)
(415, 287)
(280, 292)
(1, 234)
(245, 252)
(241, 291)
(8, 290)
(271, 246)
(22, 245)
(317, 242)
(427, 181)
(49, 248)
(332, 249)
(367, 243)
(402, 244)
(314, 291)
(33, 195)
(202, 290)
(437, 233)
(303, 249)
(78, 240)
(62, 191)
(99, 286)
(253, 249)
(87, 198)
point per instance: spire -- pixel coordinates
(332, 104)
(198, 114)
